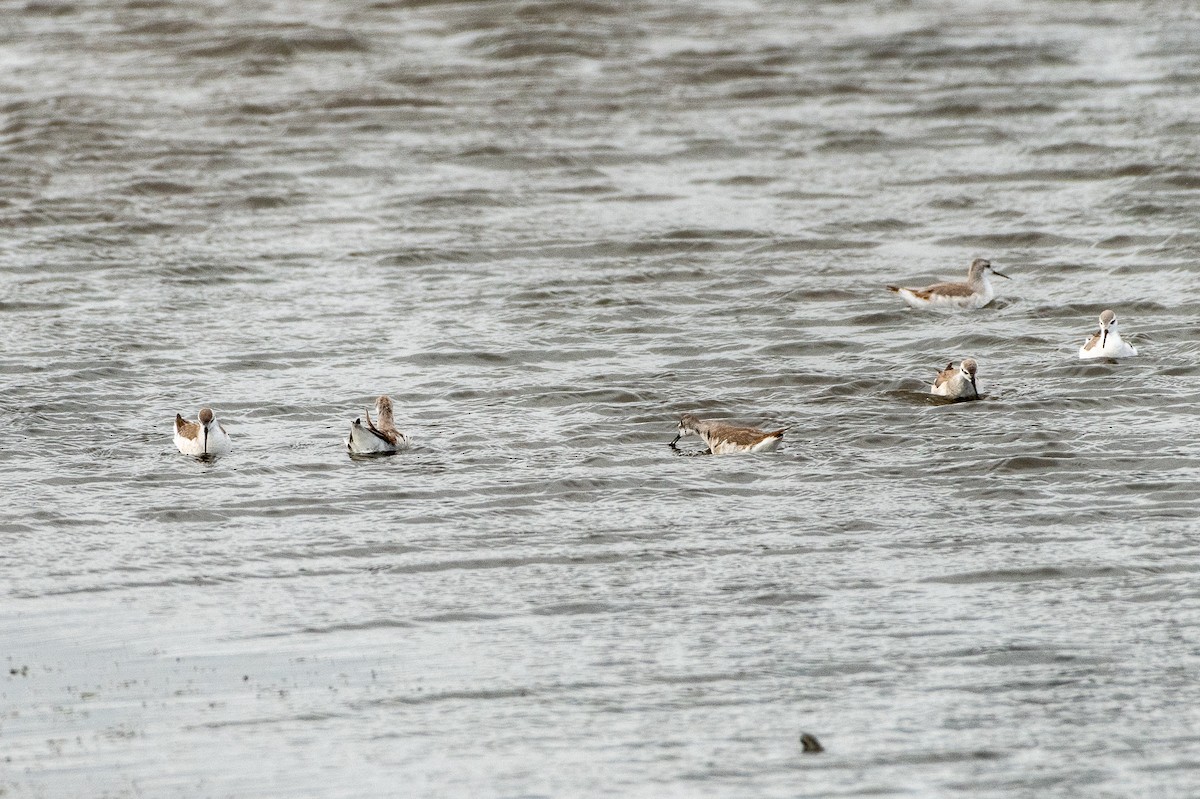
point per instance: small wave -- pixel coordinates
(159, 187)
(1028, 575)
(573, 609)
(296, 39)
(1024, 238)
(536, 44)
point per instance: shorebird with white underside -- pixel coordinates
(957, 383)
(205, 438)
(376, 439)
(1107, 343)
(976, 292)
(723, 438)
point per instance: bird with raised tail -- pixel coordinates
(376, 439)
(723, 438)
(1107, 343)
(205, 438)
(957, 383)
(976, 292)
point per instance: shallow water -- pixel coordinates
(548, 229)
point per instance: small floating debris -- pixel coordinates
(810, 743)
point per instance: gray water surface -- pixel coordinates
(547, 229)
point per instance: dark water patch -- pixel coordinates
(1029, 575)
(164, 27)
(284, 507)
(48, 9)
(1147, 209)
(345, 171)
(541, 298)
(211, 272)
(1086, 315)
(728, 72)
(920, 53)
(658, 246)
(777, 90)
(430, 256)
(373, 550)
(358, 102)
(265, 202)
(255, 110)
(459, 617)
(476, 358)
(959, 203)
(753, 181)
(802, 195)
(60, 213)
(1021, 655)
(1046, 176)
(525, 159)
(1135, 170)
(696, 234)
(473, 564)
(867, 141)
(153, 228)
(1185, 370)
(1188, 180)
(1033, 463)
(1128, 241)
(573, 609)
(485, 151)
(571, 398)
(588, 190)
(981, 111)
(815, 245)
(782, 598)
(466, 198)
(469, 697)
(195, 581)
(264, 362)
(834, 295)
(1027, 238)
(700, 678)
(875, 318)
(285, 41)
(1077, 148)
(849, 388)
(556, 11)
(22, 306)
(645, 198)
(543, 43)
(269, 721)
(943, 756)
(357, 626)
(156, 187)
(881, 225)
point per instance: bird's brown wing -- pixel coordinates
(944, 289)
(742, 436)
(387, 433)
(185, 428)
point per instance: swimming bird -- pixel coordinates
(724, 438)
(376, 439)
(957, 383)
(203, 439)
(1108, 342)
(975, 293)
